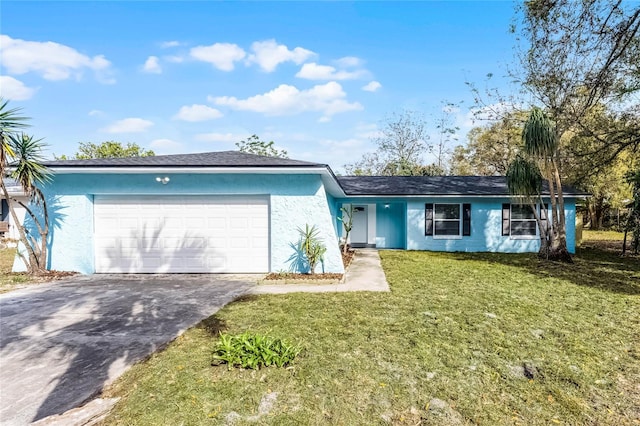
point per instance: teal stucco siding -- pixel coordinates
(486, 228)
(390, 225)
(294, 200)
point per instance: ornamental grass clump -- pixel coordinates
(253, 350)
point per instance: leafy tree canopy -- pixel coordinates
(490, 148)
(401, 145)
(107, 149)
(253, 145)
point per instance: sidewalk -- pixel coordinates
(364, 274)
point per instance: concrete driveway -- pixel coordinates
(60, 343)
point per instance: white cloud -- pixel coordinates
(268, 54)
(371, 86)
(176, 59)
(15, 90)
(327, 98)
(171, 43)
(220, 55)
(166, 146)
(313, 71)
(349, 62)
(128, 125)
(152, 65)
(53, 61)
(220, 137)
(197, 112)
(95, 113)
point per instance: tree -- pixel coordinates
(400, 147)
(577, 57)
(633, 221)
(490, 148)
(347, 223)
(447, 133)
(107, 149)
(604, 181)
(253, 145)
(525, 183)
(541, 145)
(20, 159)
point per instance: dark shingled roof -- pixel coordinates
(432, 185)
(205, 159)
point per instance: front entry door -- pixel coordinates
(360, 225)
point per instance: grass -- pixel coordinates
(10, 280)
(456, 328)
(589, 235)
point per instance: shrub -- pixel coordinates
(312, 246)
(253, 350)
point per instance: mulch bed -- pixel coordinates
(304, 277)
(348, 257)
(52, 276)
(346, 260)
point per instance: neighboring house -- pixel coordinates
(8, 227)
(237, 212)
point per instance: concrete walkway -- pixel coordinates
(364, 274)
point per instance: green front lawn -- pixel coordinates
(450, 344)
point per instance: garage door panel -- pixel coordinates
(181, 234)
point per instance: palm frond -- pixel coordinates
(26, 167)
(524, 178)
(10, 122)
(539, 135)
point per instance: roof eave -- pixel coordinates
(185, 169)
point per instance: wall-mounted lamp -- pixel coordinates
(163, 180)
(386, 206)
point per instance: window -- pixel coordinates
(447, 220)
(519, 220)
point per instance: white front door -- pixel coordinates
(181, 234)
(360, 225)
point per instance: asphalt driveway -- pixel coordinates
(60, 343)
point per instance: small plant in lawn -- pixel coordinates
(253, 350)
(312, 246)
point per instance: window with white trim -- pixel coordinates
(523, 221)
(447, 220)
(519, 221)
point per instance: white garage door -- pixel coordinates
(181, 234)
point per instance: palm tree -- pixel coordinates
(20, 159)
(525, 184)
(541, 144)
(10, 122)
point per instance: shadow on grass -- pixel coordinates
(592, 268)
(213, 325)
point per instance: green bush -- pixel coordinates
(252, 350)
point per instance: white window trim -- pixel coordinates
(524, 237)
(459, 220)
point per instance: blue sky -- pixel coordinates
(177, 77)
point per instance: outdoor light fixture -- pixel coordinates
(163, 180)
(386, 206)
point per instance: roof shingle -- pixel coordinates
(205, 159)
(432, 185)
